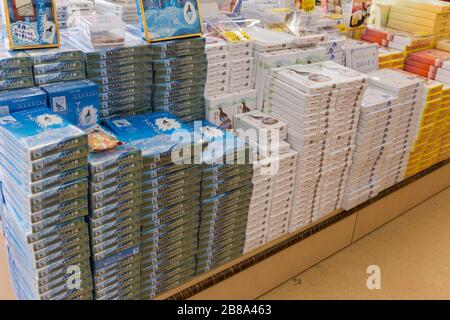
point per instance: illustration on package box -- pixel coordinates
(30, 23)
(169, 19)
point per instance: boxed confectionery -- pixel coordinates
(77, 101)
(361, 56)
(21, 99)
(47, 234)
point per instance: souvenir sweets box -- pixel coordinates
(57, 65)
(116, 224)
(43, 172)
(324, 95)
(361, 56)
(16, 71)
(21, 99)
(170, 198)
(77, 101)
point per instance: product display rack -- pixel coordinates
(298, 251)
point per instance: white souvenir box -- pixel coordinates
(265, 126)
(319, 77)
(395, 81)
(218, 58)
(221, 66)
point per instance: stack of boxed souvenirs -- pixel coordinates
(114, 222)
(124, 9)
(57, 65)
(320, 104)
(76, 101)
(428, 64)
(226, 189)
(221, 110)
(179, 76)
(275, 59)
(386, 132)
(390, 58)
(230, 66)
(432, 129)
(430, 16)
(170, 209)
(445, 134)
(273, 177)
(123, 75)
(44, 181)
(409, 42)
(15, 70)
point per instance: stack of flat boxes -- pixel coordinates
(114, 223)
(179, 78)
(170, 201)
(226, 189)
(386, 131)
(334, 47)
(390, 58)
(230, 67)
(433, 128)
(57, 65)
(444, 153)
(123, 74)
(15, 70)
(44, 179)
(320, 104)
(275, 154)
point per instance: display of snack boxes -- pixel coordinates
(123, 75)
(115, 228)
(179, 76)
(386, 131)
(15, 70)
(170, 209)
(45, 202)
(226, 189)
(390, 58)
(361, 56)
(57, 65)
(320, 104)
(30, 24)
(166, 20)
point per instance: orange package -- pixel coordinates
(432, 57)
(418, 71)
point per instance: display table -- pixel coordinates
(276, 262)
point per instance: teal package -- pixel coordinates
(77, 101)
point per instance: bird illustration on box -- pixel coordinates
(225, 121)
